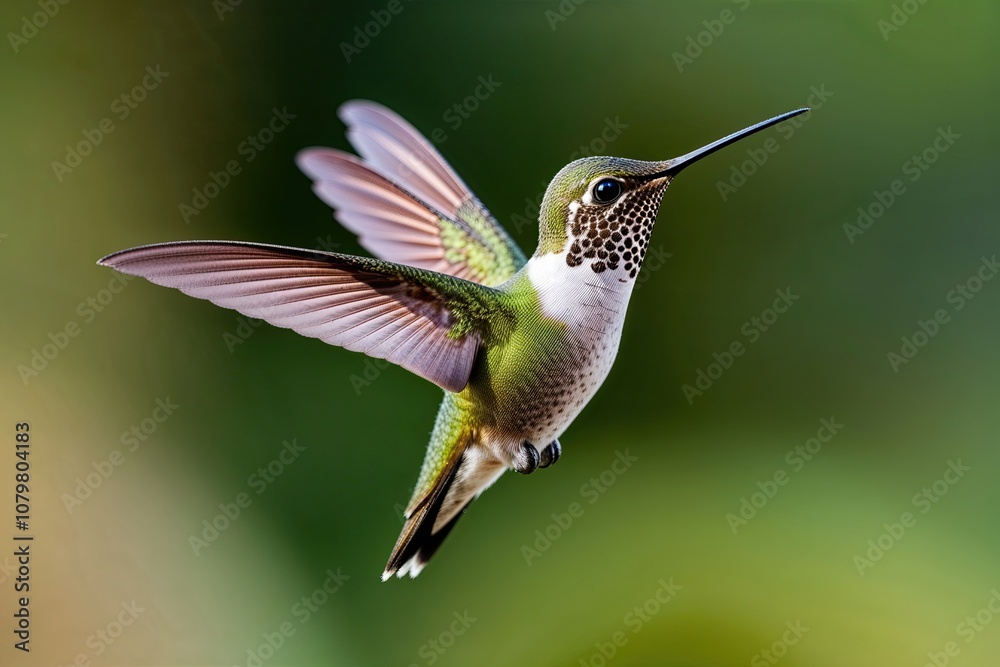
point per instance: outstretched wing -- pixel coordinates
(405, 203)
(428, 323)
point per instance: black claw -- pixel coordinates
(532, 463)
(550, 454)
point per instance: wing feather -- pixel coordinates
(397, 150)
(389, 311)
(405, 203)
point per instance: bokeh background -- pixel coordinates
(566, 72)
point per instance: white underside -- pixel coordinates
(563, 289)
(592, 306)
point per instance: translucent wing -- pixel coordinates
(419, 320)
(405, 203)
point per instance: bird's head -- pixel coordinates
(599, 211)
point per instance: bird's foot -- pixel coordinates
(528, 461)
(550, 454)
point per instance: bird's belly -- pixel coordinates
(561, 402)
(549, 396)
(554, 364)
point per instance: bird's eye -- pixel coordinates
(607, 190)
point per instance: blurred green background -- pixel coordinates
(794, 563)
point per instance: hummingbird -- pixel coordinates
(519, 345)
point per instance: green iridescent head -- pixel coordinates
(600, 211)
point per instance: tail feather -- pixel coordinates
(430, 522)
(425, 548)
(418, 541)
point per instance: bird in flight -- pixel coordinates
(519, 345)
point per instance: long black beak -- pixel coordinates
(674, 166)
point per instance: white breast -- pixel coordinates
(570, 294)
(592, 305)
